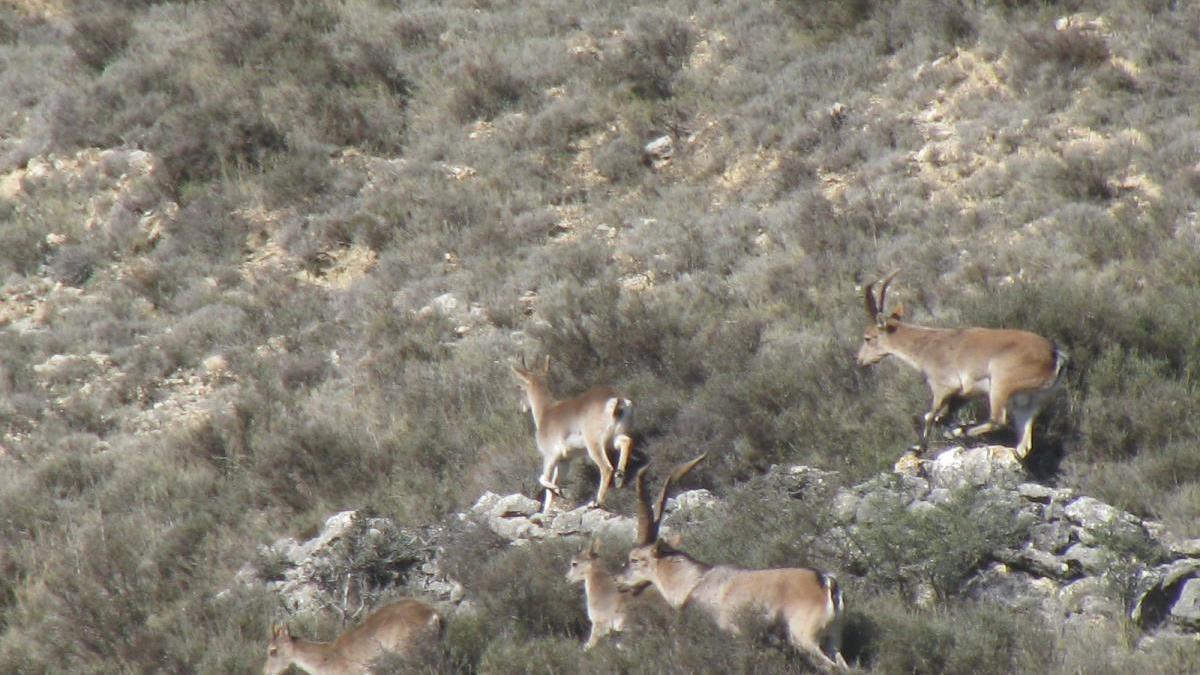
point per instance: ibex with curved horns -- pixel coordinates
(1016, 370)
(807, 602)
(399, 627)
(595, 421)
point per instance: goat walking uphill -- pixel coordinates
(807, 602)
(400, 627)
(595, 421)
(1016, 370)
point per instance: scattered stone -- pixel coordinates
(1160, 589)
(1040, 563)
(1092, 513)
(909, 464)
(1100, 522)
(445, 304)
(845, 507)
(1014, 588)
(940, 496)
(1041, 494)
(1185, 547)
(975, 467)
(660, 150)
(1052, 537)
(1090, 559)
(515, 505)
(1186, 609)
(1093, 596)
(691, 500)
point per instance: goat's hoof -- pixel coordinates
(619, 479)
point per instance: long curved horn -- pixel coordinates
(676, 475)
(647, 529)
(869, 296)
(883, 286)
(650, 518)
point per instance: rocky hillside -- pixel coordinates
(266, 264)
(1077, 559)
(1071, 558)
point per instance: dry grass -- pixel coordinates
(379, 207)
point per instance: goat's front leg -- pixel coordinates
(941, 400)
(549, 481)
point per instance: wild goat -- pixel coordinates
(607, 605)
(1015, 369)
(595, 421)
(400, 627)
(808, 602)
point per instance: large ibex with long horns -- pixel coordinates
(807, 602)
(1016, 370)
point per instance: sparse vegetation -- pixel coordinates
(365, 210)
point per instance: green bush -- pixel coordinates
(372, 555)
(896, 550)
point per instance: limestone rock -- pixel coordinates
(659, 151)
(975, 467)
(1063, 568)
(1186, 609)
(1093, 596)
(1161, 590)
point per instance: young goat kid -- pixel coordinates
(595, 421)
(807, 602)
(607, 605)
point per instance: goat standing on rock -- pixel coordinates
(595, 421)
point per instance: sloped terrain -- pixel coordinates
(266, 262)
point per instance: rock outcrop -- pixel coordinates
(1078, 559)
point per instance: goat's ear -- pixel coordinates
(674, 540)
(892, 322)
(594, 548)
(546, 365)
(657, 549)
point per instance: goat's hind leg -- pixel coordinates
(624, 445)
(820, 659)
(998, 398)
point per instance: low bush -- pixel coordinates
(967, 638)
(894, 548)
